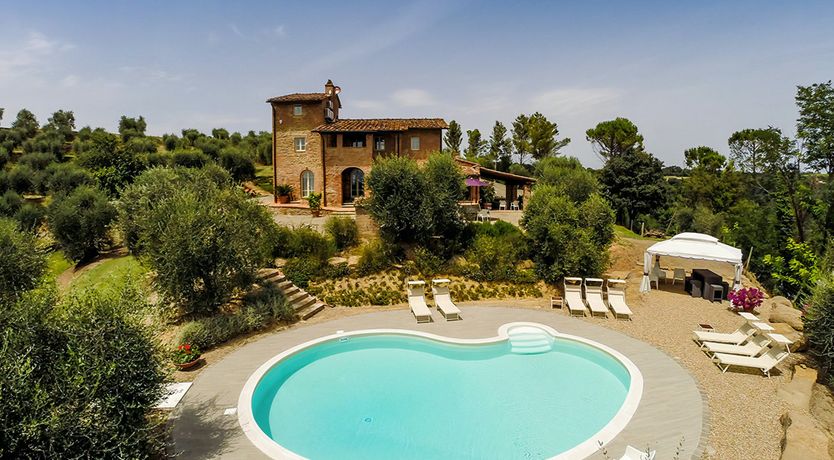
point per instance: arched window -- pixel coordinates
(306, 183)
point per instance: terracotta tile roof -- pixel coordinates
(381, 124)
(299, 97)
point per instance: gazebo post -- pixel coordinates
(645, 284)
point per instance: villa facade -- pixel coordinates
(315, 150)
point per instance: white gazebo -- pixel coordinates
(692, 246)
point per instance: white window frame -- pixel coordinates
(297, 110)
(307, 189)
(415, 140)
(303, 146)
(379, 144)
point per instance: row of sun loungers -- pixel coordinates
(442, 299)
(593, 288)
(753, 345)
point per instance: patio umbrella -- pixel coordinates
(472, 182)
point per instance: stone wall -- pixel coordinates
(368, 229)
(289, 164)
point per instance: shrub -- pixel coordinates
(190, 158)
(561, 242)
(259, 311)
(78, 378)
(10, 202)
(80, 221)
(63, 178)
(305, 241)
(30, 217)
(109, 161)
(302, 270)
(23, 179)
(238, 163)
(426, 262)
(494, 258)
(283, 189)
(37, 160)
(374, 257)
(21, 263)
(819, 322)
(796, 275)
(343, 230)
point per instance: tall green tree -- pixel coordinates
(500, 147)
(712, 182)
(633, 183)
(132, 127)
(815, 127)
(521, 137)
(614, 138)
(453, 137)
(26, 124)
(774, 165)
(542, 134)
(63, 121)
(476, 145)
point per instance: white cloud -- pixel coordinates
(150, 75)
(30, 57)
(69, 81)
(279, 31)
(236, 30)
(565, 101)
(413, 97)
(367, 104)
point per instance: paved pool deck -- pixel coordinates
(671, 417)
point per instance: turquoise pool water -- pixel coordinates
(405, 397)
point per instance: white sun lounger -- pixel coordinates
(632, 453)
(417, 301)
(736, 338)
(573, 296)
(764, 363)
(616, 298)
(443, 300)
(756, 345)
(593, 294)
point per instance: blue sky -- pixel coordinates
(686, 74)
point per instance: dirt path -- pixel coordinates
(69, 275)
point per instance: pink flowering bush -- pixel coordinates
(746, 299)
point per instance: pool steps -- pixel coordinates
(528, 340)
(303, 303)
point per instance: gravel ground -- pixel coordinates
(743, 410)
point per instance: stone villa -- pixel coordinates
(314, 150)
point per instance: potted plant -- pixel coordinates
(314, 201)
(745, 299)
(283, 191)
(186, 356)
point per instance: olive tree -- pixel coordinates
(80, 222)
(21, 263)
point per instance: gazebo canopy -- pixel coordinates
(696, 246)
(693, 246)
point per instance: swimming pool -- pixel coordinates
(529, 393)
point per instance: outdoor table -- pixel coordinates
(706, 277)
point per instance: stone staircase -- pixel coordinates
(304, 304)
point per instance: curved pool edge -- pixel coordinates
(274, 450)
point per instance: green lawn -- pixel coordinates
(56, 264)
(110, 274)
(623, 232)
(263, 177)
